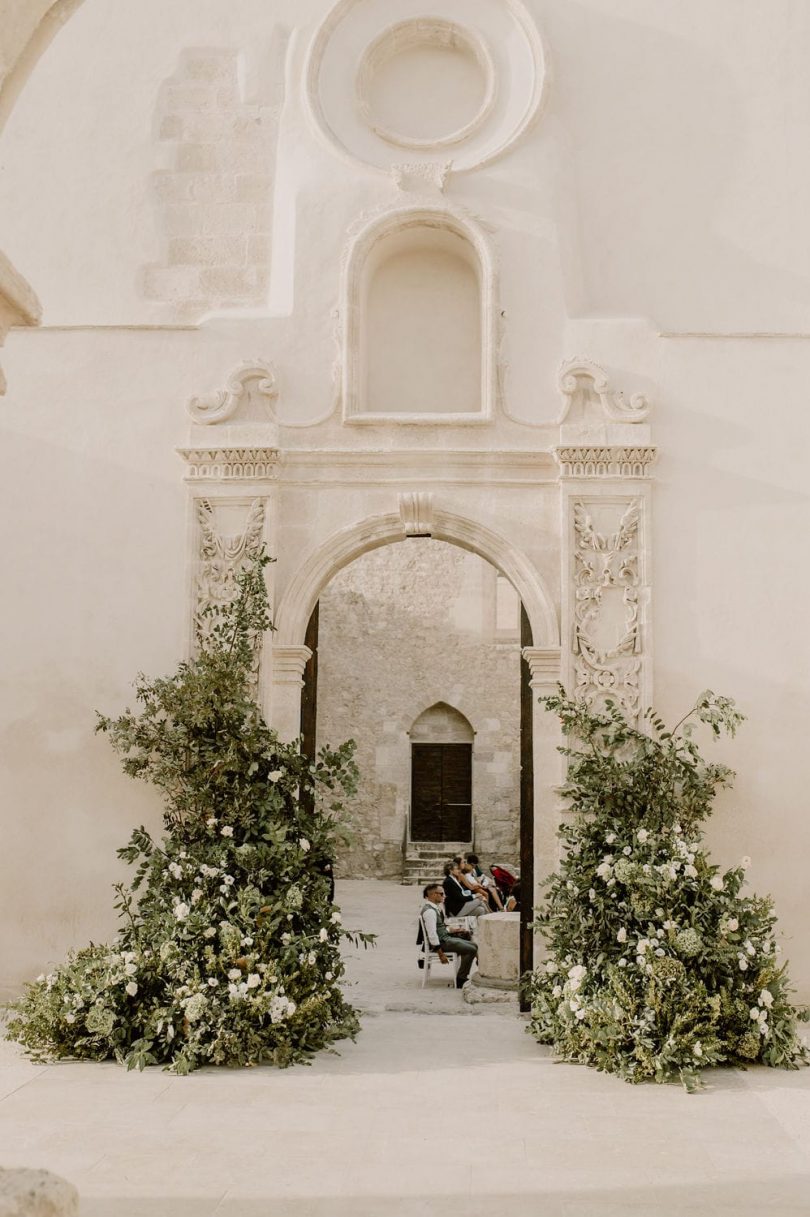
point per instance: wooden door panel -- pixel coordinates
(457, 791)
(426, 792)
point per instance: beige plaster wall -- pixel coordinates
(654, 219)
(401, 629)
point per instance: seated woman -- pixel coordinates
(459, 900)
(487, 885)
(513, 902)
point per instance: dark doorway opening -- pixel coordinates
(441, 792)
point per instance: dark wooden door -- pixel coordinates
(441, 792)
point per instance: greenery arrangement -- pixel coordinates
(228, 951)
(658, 966)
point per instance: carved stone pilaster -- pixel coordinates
(289, 663)
(544, 665)
(288, 681)
(607, 600)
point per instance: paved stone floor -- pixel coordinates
(422, 1116)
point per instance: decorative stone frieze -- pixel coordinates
(416, 513)
(607, 642)
(231, 464)
(580, 461)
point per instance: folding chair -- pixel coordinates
(429, 957)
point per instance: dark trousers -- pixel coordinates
(466, 952)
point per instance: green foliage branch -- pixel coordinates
(228, 950)
(658, 965)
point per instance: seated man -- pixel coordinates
(459, 900)
(440, 938)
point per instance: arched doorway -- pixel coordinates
(441, 776)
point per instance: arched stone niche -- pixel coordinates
(419, 339)
(441, 724)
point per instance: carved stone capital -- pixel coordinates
(289, 663)
(231, 464)
(594, 414)
(416, 513)
(611, 461)
(544, 665)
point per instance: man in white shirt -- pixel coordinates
(440, 939)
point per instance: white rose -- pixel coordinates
(209, 932)
(622, 962)
(556, 991)
(698, 1049)
(212, 982)
(181, 911)
(311, 958)
(235, 974)
(690, 871)
(610, 838)
(274, 775)
(211, 821)
(70, 1018)
(743, 965)
(286, 939)
(130, 969)
(176, 870)
(574, 1004)
(753, 1013)
(766, 998)
(603, 870)
(733, 924)
(717, 882)
(254, 980)
(592, 894)
(622, 935)
(196, 895)
(335, 918)
(763, 1016)
(323, 933)
(304, 844)
(627, 851)
(551, 966)
(327, 975)
(642, 835)
(132, 988)
(226, 831)
(580, 1014)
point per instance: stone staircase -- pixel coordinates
(424, 860)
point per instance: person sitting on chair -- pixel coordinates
(440, 939)
(459, 899)
(472, 870)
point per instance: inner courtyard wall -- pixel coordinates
(650, 220)
(402, 628)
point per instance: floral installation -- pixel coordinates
(229, 947)
(658, 965)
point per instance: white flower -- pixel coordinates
(592, 894)
(622, 962)
(556, 991)
(551, 966)
(195, 1007)
(745, 862)
(670, 925)
(335, 918)
(733, 924)
(209, 932)
(698, 1049)
(247, 942)
(642, 835)
(181, 911)
(763, 1016)
(743, 965)
(196, 895)
(753, 1013)
(578, 972)
(627, 851)
(610, 838)
(622, 935)
(235, 974)
(286, 939)
(603, 870)
(580, 1014)
(212, 982)
(226, 831)
(677, 828)
(130, 969)
(211, 821)
(274, 775)
(574, 1004)
(327, 975)
(233, 991)
(132, 988)
(176, 870)
(690, 871)
(304, 844)
(70, 1018)
(641, 945)
(311, 958)
(323, 933)
(717, 882)
(227, 880)
(766, 998)
(254, 980)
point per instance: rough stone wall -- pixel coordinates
(402, 628)
(215, 200)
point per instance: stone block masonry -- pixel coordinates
(401, 629)
(214, 200)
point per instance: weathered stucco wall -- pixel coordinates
(401, 629)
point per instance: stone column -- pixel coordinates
(544, 665)
(287, 681)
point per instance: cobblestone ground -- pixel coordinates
(420, 1117)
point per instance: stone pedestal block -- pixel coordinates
(30, 1193)
(498, 936)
